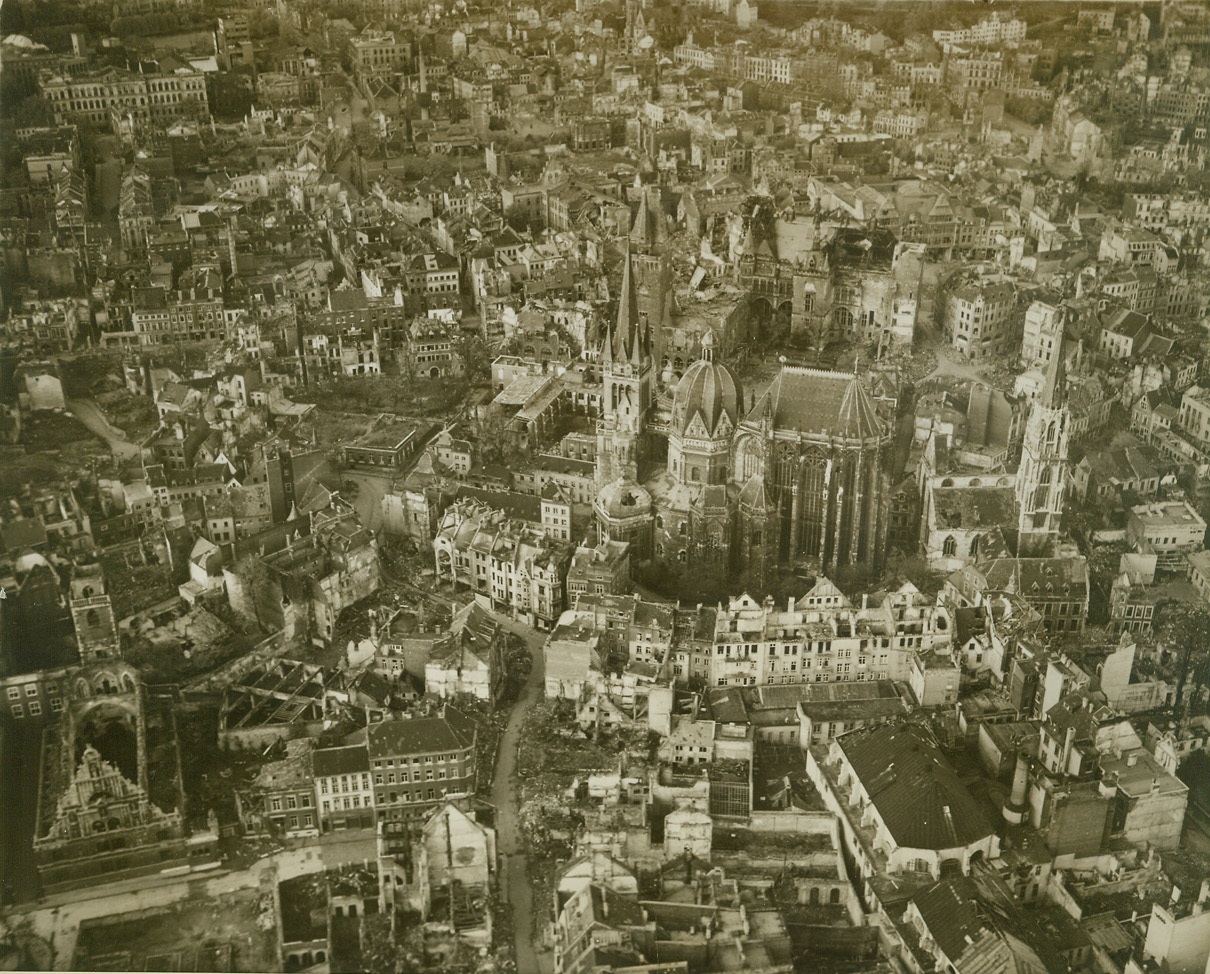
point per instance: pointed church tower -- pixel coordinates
(649, 234)
(1042, 476)
(623, 506)
(626, 376)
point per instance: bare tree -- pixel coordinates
(1183, 629)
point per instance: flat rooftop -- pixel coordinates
(1172, 513)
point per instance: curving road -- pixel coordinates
(514, 880)
(88, 413)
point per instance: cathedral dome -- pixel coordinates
(708, 389)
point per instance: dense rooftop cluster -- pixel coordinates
(666, 488)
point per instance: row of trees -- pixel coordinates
(148, 25)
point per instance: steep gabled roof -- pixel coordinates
(818, 401)
(919, 796)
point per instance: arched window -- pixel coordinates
(975, 544)
(659, 521)
(813, 898)
(695, 474)
(683, 530)
(950, 547)
(681, 556)
(92, 618)
(844, 319)
(834, 895)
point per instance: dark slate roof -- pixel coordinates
(708, 389)
(340, 760)
(421, 735)
(815, 401)
(948, 910)
(915, 789)
(522, 507)
(374, 686)
(23, 532)
(1042, 578)
(1128, 323)
(612, 909)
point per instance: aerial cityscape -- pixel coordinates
(585, 486)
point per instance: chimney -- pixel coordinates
(1014, 809)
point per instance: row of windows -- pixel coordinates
(292, 801)
(336, 804)
(429, 795)
(35, 708)
(413, 761)
(839, 677)
(344, 783)
(308, 822)
(403, 776)
(790, 649)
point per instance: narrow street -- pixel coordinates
(88, 413)
(367, 501)
(514, 879)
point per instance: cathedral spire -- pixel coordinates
(648, 231)
(1054, 388)
(628, 340)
